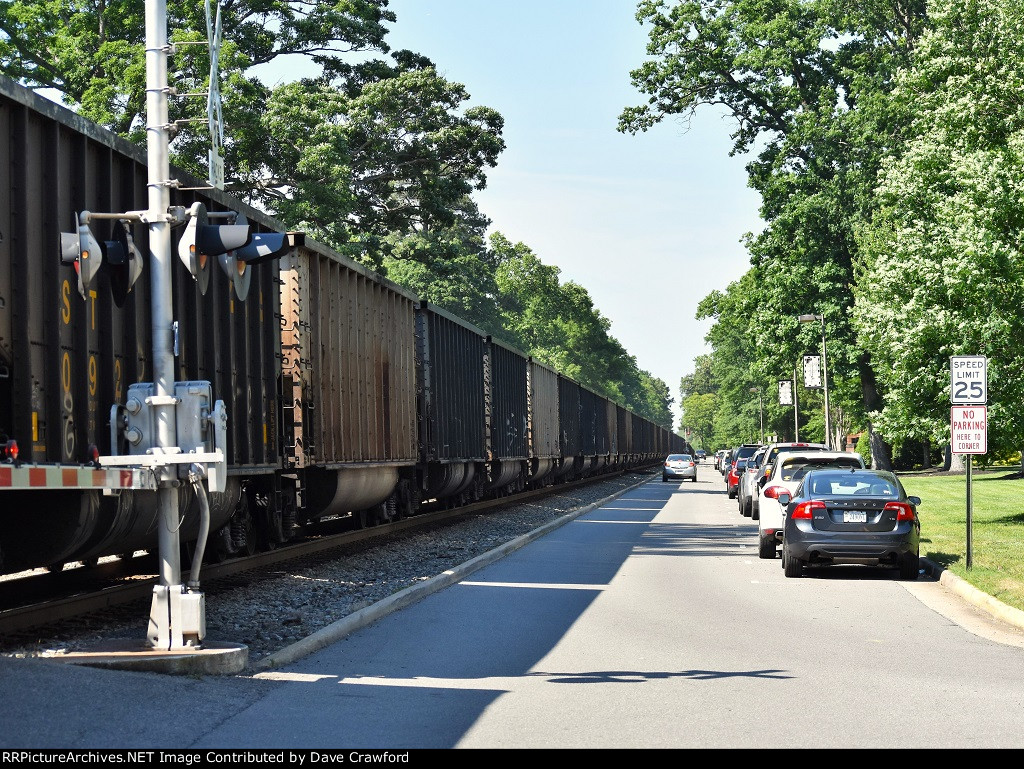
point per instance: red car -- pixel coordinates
(733, 478)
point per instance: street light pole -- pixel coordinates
(760, 408)
(824, 373)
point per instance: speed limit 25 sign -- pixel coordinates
(968, 375)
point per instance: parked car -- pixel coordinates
(731, 476)
(859, 516)
(679, 466)
(723, 457)
(739, 468)
(747, 489)
(789, 469)
(772, 453)
(718, 459)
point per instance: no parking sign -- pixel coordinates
(968, 429)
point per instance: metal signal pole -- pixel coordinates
(166, 618)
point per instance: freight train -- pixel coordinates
(346, 396)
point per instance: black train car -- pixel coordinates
(65, 359)
(452, 436)
(507, 394)
(569, 443)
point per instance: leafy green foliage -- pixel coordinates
(806, 83)
(943, 254)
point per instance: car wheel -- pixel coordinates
(732, 493)
(909, 566)
(664, 478)
(754, 514)
(747, 508)
(766, 548)
(694, 479)
(793, 567)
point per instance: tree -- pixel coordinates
(699, 416)
(93, 54)
(368, 149)
(946, 240)
(794, 75)
(702, 380)
(354, 163)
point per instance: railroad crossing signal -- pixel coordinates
(88, 255)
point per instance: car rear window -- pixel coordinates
(773, 454)
(844, 484)
(745, 451)
(793, 469)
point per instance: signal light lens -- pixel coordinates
(9, 451)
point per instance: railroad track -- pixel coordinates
(36, 601)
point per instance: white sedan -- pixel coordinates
(785, 477)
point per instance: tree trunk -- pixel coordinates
(954, 462)
(881, 459)
(927, 446)
(881, 452)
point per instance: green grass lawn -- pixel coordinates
(997, 527)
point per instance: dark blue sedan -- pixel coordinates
(857, 516)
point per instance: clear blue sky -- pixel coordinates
(648, 224)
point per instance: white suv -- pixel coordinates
(786, 474)
(772, 454)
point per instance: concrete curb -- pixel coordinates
(359, 619)
(972, 595)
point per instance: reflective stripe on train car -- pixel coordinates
(64, 477)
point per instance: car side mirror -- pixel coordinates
(915, 501)
(784, 498)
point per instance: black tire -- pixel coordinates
(747, 508)
(664, 478)
(695, 479)
(732, 493)
(793, 567)
(909, 566)
(766, 548)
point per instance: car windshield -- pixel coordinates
(847, 484)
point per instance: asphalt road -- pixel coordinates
(648, 622)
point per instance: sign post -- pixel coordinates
(968, 419)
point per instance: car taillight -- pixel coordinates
(903, 511)
(9, 451)
(772, 492)
(805, 510)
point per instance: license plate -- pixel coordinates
(855, 517)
